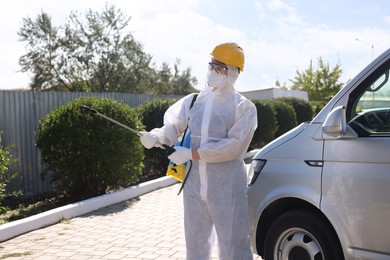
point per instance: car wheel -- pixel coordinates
(301, 235)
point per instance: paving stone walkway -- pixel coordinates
(148, 227)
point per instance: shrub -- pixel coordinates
(266, 124)
(152, 114)
(5, 160)
(285, 116)
(302, 108)
(87, 155)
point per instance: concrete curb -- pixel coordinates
(18, 227)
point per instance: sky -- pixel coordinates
(279, 37)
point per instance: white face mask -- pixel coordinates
(216, 80)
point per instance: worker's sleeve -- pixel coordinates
(175, 121)
(238, 138)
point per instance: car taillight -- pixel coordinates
(254, 170)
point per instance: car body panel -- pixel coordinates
(357, 187)
(351, 188)
(295, 176)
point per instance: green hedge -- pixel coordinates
(87, 155)
(152, 114)
(302, 108)
(275, 117)
(266, 124)
(285, 116)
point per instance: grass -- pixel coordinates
(15, 255)
(13, 209)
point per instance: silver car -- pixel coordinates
(322, 190)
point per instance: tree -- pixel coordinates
(279, 85)
(321, 84)
(93, 53)
(176, 83)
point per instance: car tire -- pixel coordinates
(301, 235)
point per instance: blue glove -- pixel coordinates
(181, 155)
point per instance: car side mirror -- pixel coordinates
(335, 123)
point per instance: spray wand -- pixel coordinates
(86, 109)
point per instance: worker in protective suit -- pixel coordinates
(221, 123)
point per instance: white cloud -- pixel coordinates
(289, 42)
(186, 35)
(278, 39)
(386, 19)
(278, 5)
(283, 44)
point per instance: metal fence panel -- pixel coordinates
(20, 113)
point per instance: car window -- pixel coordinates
(369, 114)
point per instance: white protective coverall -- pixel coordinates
(222, 124)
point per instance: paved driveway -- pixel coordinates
(148, 227)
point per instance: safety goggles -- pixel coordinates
(217, 67)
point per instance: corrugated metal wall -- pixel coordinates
(20, 112)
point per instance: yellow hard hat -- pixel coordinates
(229, 53)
